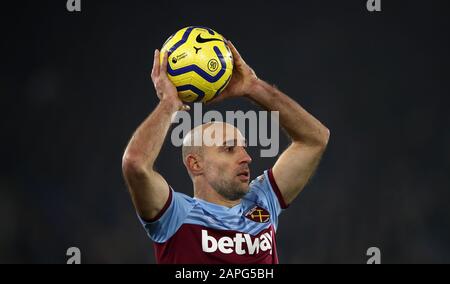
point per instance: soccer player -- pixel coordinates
(229, 219)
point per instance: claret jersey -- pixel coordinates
(191, 230)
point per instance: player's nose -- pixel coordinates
(245, 158)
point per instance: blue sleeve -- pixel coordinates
(170, 219)
(264, 190)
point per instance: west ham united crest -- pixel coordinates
(258, 214)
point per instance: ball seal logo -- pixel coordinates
(213, 65)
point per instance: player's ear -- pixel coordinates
(194, 164)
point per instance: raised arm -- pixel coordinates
(149, 190)
(309, 137)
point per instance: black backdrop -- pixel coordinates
(74, 86)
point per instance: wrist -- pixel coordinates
(253, 88)
(171, 104)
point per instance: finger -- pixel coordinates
(155, 70)
(236, 55)
(163, 68)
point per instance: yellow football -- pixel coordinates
(200, 64)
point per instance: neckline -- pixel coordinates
(221, 208)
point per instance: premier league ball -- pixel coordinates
(200, 64)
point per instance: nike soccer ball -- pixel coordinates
(200, 64)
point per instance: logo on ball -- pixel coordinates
(213, 65)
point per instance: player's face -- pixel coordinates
(227, 164)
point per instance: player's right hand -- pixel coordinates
(165, 89)
(243, 80)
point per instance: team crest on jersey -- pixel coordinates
(258, 214)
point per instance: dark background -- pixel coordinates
(74, 87)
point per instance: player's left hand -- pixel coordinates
(242, 81)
